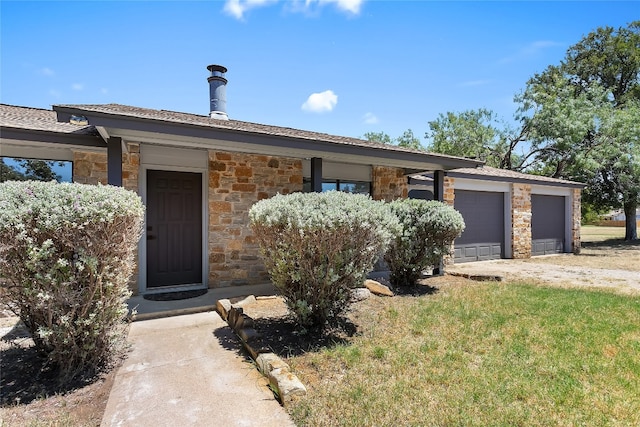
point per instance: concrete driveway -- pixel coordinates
(549, 269)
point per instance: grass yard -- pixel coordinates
(480, 354)
(596, 233)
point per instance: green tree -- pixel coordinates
(406, 140)
(409, 140)
(582, 118)
(477, 134)
(29, 169)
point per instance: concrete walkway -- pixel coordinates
(189, 370)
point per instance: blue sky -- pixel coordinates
(344, 67)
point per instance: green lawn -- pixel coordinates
(596, 233)
(481, 354)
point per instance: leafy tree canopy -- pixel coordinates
(406, 140)
(583, 118)
(578, 120)
(28, 169)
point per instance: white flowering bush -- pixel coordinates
(318, 246)
(428, 228)
(66, 255)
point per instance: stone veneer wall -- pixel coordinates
(449, 194)
(521, 221)
(91, 168)
(388, 183)
(236, 182)
(576, 218)
(131, 167)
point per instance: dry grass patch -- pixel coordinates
(479, 354)
(607, 254)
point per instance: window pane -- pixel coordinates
(16, 169)
(328, 186)
(355, 187)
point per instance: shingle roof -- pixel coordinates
(488, 172)
(12, 116)
(236, 125)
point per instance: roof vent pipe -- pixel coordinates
(218, 92)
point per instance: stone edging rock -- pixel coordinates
(477, 277)
(282, 381)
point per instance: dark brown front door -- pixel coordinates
(174, 228)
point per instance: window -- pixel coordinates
(17, 169)
(359, 187)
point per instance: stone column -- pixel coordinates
(521, 221)
(576, 218)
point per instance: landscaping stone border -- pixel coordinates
(478, 277)
(282, 381)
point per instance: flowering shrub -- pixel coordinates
(319, 246)
(66, 255)
(428, 229)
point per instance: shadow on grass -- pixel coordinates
(617, 244)
(284, 337)
(25, 375)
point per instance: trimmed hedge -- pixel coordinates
(428, 230)
(319, 246)
(66, 255)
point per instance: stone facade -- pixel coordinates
(388, 183)
(236, 182)
(521, 221)
(576, 218)
(90, 167)
(131, 167)
(449, 194)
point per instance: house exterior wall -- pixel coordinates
(89, 167)
(388, 183)
(576, 218)
(236, 182)
(449, 193)
(520, 221)
(131, 167)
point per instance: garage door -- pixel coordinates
(483, 237)
(547, 224)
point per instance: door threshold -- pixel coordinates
(173, 288)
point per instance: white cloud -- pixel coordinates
(46, 71)
(77, 86)
(351, 6)
(237, 8)
(104, 91)
(321, 102)
(370, 119)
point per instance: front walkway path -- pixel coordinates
(188, 371)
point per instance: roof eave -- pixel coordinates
(33, 135)
(410, 161)
(559, 183)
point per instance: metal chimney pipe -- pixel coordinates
(218, 92)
